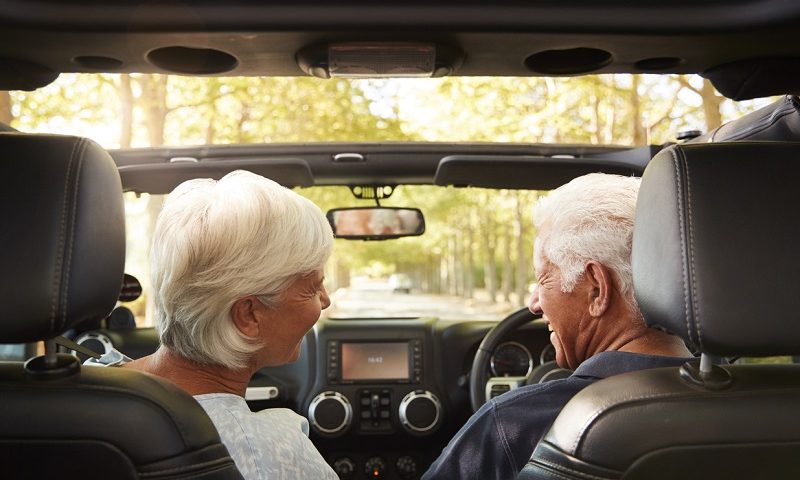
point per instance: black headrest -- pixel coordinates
(62, 235)
(716, 246)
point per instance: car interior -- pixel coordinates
(384, 379)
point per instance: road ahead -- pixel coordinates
(376, 299)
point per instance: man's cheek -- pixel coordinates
(561, 359)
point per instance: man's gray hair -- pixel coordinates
(589, 218)
(218, 241)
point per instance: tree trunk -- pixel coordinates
(469, 270)
(154, 101)
(712, 104)
(522, 262)
(596, 127)
(244, 117)
(452, 278)
(489, 260)
(507, 267)
(444, 272)
(126, 110)
(639, 132)
(212, 121)
(458, 266)
(6, 115)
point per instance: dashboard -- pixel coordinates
(382, 396)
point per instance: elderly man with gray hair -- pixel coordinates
(584, 292)
(237, 270)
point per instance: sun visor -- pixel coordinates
(760, 77)
(537, 172)
(164, 177)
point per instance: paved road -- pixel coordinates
(377, 300)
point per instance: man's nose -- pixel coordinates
(534, 305)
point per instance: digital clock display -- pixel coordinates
(375, 361)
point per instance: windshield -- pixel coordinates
(474, 260)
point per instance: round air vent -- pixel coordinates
(420, 412)
(569, 61)
(330, 413)
(192, 61)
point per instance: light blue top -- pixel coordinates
(270, 444)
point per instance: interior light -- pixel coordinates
(379, 60)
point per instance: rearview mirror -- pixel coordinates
(376, 223)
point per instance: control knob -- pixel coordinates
(374, 467)
(420, 412)
(406, 467)
(344, 467)
(330, 413)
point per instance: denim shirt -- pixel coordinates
(499, 438)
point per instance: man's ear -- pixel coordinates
(601, 285)
(245, 317)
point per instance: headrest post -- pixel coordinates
(50, 353)
(707, 363)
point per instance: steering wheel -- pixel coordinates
(478, 377)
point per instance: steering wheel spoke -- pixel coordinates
(499, 385)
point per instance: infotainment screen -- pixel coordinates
(375, 361)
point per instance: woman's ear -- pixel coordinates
(244, 314)
(601, 283)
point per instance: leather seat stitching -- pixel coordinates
(550, 473)
(128, 393)
(60, 243)
(567, 469)
(82, 144)
(679, 196)
(676, 396)
(618, 403)
(772, 120)
(693, 280)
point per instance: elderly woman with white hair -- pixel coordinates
(237, 270)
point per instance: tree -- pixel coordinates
(711, 100)
(126, 111)
(6, 115)
(476, 238)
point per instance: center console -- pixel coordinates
(374, 414)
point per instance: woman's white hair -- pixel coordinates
(589, 218)
(218, 241)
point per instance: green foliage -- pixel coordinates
(449, 212)
(469, 231)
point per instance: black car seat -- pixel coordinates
(716, 261)
(62, 239)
